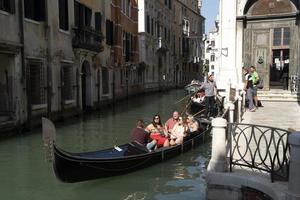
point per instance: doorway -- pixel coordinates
(86, 83)
(279, 68)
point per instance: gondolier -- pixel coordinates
(210, 88)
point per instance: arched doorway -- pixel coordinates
(270, 29)
(86, 86)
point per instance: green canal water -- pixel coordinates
(26, 175)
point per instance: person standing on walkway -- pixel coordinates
(248, 87)
(255, 81)
(210, 88)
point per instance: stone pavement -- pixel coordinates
(284, 115)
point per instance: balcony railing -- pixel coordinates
(87, 38)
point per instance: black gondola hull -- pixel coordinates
(72, 167)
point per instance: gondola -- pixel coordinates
(76, 167)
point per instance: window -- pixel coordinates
(281, 36)
(98, 21)
(105, 81)
(36, 78)
(212, 58)
(152, 26)
(7, 5)
(148, 24)
(82, 15)
(67, 82)
(286, 36)
(109, 32)
(35, 9)
(122, 80)
(212, 43)
(124, 42)
(277, 37)
(63, 15)
(129, 8)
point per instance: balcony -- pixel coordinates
(87, 38)
(162, 45)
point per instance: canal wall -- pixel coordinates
(13, 127)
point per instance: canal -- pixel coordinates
(25, 173)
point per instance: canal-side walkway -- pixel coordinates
(284, 115)
(244, 180)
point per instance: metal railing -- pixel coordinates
(295, 82)
(260, 147)
(87, 38)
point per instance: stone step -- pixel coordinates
(278, 95)
(278, 99)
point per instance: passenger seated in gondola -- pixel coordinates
(178, 132)
(192, 124)
(139, 135)
(172, 121)
(199, 97)
(157, 132)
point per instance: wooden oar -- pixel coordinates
(186, 107)
(198, 112)
(182, 99)
(189, 95)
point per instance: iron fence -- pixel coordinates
(260, 147)
(295, 82)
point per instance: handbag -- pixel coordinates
(260, 84)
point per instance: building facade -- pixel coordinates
(53, 67)
(155, 33)
(212, 52)
(122, 36)
(188, 27)
(265, 34)
(73, 56)
(170, 36)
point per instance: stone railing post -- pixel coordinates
(294, 176)
(218, 161)
(244, 101)
(231, 107)
(240, 109)
(228, 92)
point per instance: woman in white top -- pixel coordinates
(178, 132)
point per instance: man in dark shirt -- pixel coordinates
(138, 134)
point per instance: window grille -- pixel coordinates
(36, 77)
(67, 82)
(7, 5)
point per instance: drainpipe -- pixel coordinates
(24, 80)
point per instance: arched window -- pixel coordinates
(269, 7)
